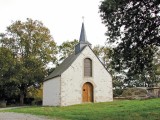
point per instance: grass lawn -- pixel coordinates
(117, 110)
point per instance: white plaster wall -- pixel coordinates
(51, 92)
(73, 79)
(70, 89)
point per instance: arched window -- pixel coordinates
(88, 67)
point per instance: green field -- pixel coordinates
(117, 110)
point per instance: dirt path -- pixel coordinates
(20, 116)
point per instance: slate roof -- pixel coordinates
(63, 66)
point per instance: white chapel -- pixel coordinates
(80, 78)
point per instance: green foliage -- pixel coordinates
(134, 27)
(156, 62)
(30, 39)
(66, 49)
(117, 110)
(7, 70)
(33, 48)
(6, 61)
(118, 85)
(103, 53)
(117, 92)
(35, 92)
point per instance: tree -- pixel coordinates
(35, 93)
(133, 25)
(103, 53)
(33, 48)
(66, 49)
(7, 81)
(156, 62)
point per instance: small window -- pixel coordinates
(88, 67)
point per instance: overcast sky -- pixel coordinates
(62, 17)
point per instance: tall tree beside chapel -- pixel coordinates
(33, 48)
(133, 25)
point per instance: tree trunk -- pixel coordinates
(21, 98)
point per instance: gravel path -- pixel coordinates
(20, 116)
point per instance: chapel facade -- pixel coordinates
(81, 78)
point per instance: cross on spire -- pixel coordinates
(83, 19)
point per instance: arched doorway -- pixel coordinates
(87, 92)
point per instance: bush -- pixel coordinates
(35, 102)
(117, 92)
(28, 101)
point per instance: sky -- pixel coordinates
(62, 17)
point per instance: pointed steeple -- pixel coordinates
(83, 37)
(82, 40)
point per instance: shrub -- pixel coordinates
(117, 92)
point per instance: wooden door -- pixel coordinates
(87, 92)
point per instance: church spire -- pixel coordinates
(82, 40)
(83, 37)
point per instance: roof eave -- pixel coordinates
(51, 78)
